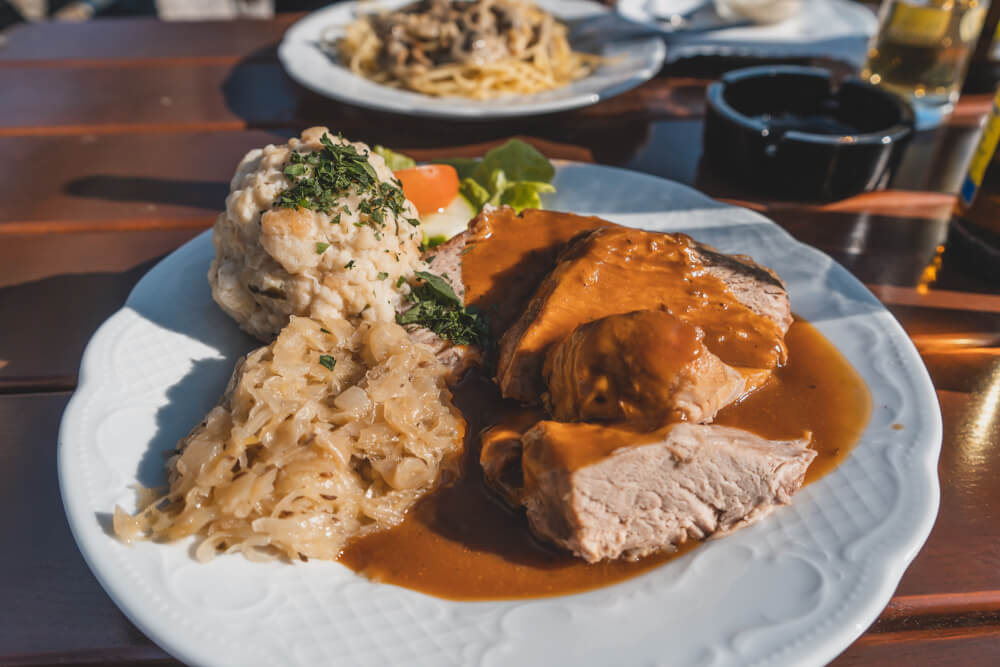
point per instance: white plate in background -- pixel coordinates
(631, 62)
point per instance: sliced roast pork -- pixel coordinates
(604, 492)
(500, 455)
(639, 366)
(741, 307)
(507, 256)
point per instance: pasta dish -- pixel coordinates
(480, 49)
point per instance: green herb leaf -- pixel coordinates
(440, 288)
(382, 275)
(395, 161)
(327, 361)
(459, 324)
(324, 330)
(321, 177)
(349, 265)
(321, 247)
(400, 281)
(295, 170)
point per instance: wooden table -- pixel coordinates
(118, 139)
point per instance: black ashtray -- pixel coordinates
(796, 132)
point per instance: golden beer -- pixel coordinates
(922, 49)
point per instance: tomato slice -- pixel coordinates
(430, 187)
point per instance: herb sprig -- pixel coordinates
(320, 178)
(437, 307)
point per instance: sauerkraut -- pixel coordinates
(332, 431)
(351, 259)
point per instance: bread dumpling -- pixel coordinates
(316, 227)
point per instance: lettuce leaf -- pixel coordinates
(524, 194)
(477, 195)
(463, 165)
(514, 175)
(518, 161)
(395, 161)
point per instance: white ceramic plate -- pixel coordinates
(795, 589)
(632, 63)
(837, 29)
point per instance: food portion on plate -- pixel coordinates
(543, 403)
(478, 49)
(331, 432)
(318, 227)
(449, 192)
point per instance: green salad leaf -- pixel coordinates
(517, 160)
(514, 175)
(524, 194)
(463, 165)
(394, 160)
(476, 194)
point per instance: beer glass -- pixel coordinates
(921, 50)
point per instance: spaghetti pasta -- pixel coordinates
(481, 49)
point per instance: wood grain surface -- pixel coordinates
(119, 138)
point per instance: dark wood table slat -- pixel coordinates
(42, 569)
(55, 317)
(96, 182)
(33, 257)
(963, 551)
(936, 651)
(101, 181)
(126, 40)
(185, 96)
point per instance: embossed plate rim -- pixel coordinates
(185, 623)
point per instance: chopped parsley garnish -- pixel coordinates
(324, 330)
(437, 307)
(327, 361)
(400, 281)
(320, 178)
(321, 247)
(382, 275)
(349, 265)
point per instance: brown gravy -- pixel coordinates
(501, 275)
(461, 543)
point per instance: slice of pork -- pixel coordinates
(615, 270)
(644, 365)
(615, 497)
